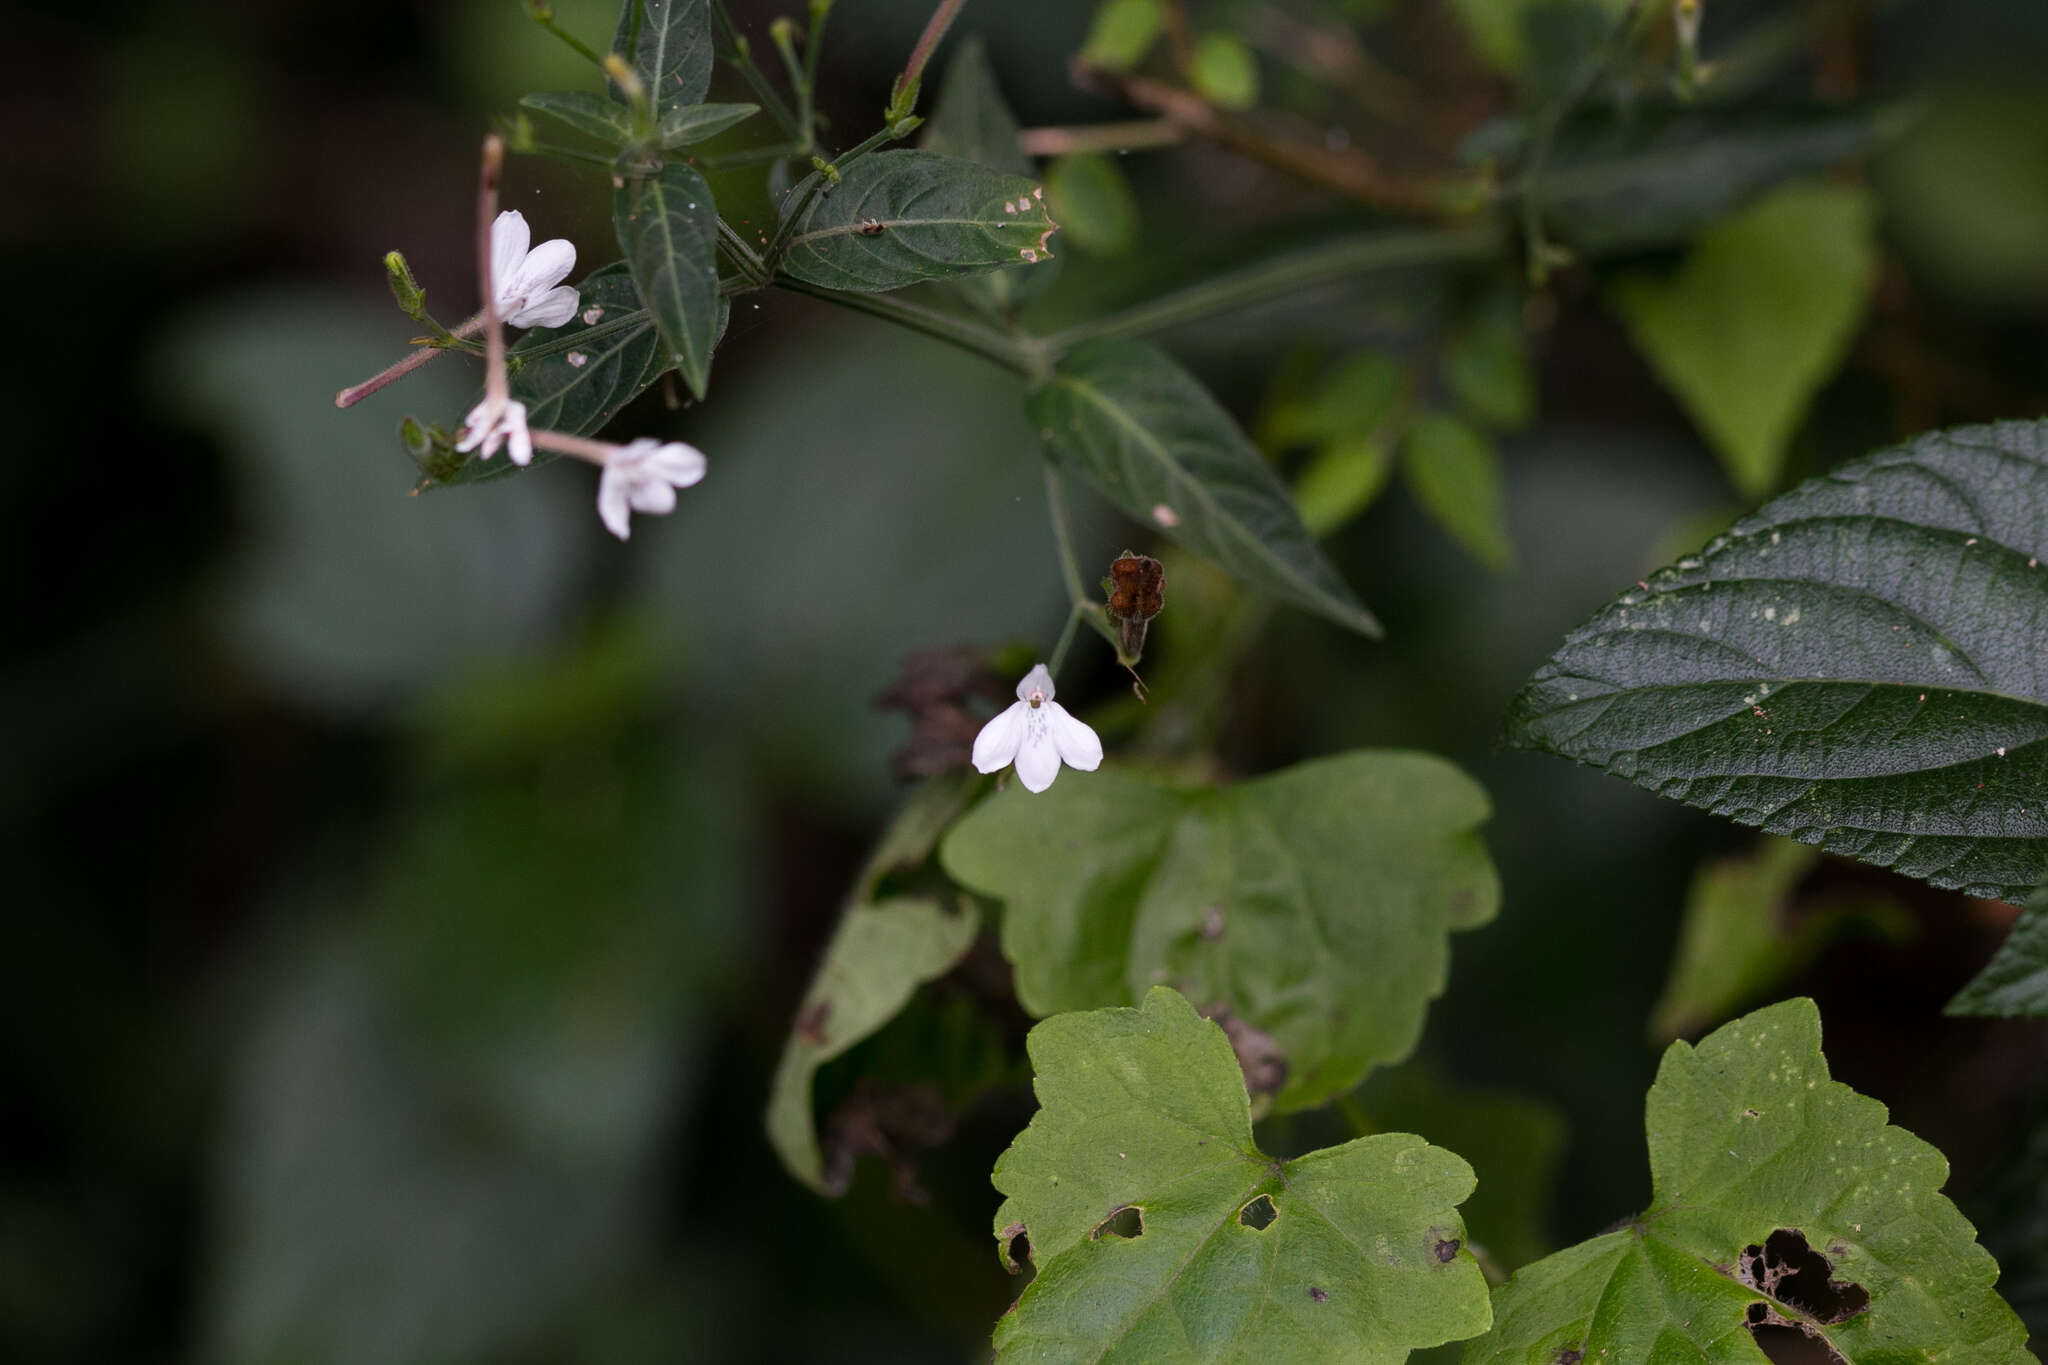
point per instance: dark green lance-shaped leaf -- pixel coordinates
(1859, 665)
(1756, 319)
(1783, 1207)
(594, 115)
(2015, 982)
(1314, 906)
(668, 43)
(971, 121)
(1163, 1235)
(575, 377)
(1616, 184)
(901, 217)
(883, 950)
(688, 124)
(667, 225)
(1150, 437)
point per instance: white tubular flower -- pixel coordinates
(529, 287)
(643, 476)
(1037, 734)
(495, 422)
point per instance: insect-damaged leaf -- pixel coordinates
(667, 225)
(668, 43)
(1148, 435)
(970, 121)
(1782, 1204)
(901, 217)
(1314, 906)
(1859, 665)
(1162, 1234)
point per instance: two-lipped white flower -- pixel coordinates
(495, 422)
(528, 284)
(1036, 734)
(643, 476)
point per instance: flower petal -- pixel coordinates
(551, 309)
(997, 743)
(1038, 760)
(509, 236)
(1038, 680)
(1078, 744)
(676, 463)
(474, 428)
(612, 507)
(515, 429)
(652, 496)
(546, 266)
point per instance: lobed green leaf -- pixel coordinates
(1859, 665)
(1144, 1204)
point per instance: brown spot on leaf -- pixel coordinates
(810, 1025)
(1446, 1250)
(1570, 1355)
(1319, 1295)
(1258, 1052)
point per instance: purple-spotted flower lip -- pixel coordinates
(1037, 734)
(528, 283)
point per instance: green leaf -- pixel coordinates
(1454, 472)
(971, 121)
(668, 43)
(1499, 28)
(1357, 399)
(1225, 72)
(2015, 982)
(1341, 482)
(900, 217)
(1314, 905)
(688, 124)
(1769, 1180)
(1122, 32)
(1845, 667)
(1133, 1186)
(1659, 177)
(1756, 320)
(606, 120)
(1150, 437)
(667, 225)
(882, 951)
(1097, 211)
(1741, 936)
(1487, 371)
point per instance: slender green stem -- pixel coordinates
(1082, 606)
(1014, 354)
(814, 43)
(752, 156)
(1059, 651)
(1258, 283)
(749, 264)
(903, 98)
(782, 34)
(1548, 121)
(742, 56)
(544, 15)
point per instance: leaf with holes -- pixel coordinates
(1162, 1234)
(2015, 982)
(1783, 1207)
(667, 225)
(971, 121)
(1150, 437)
(882, 951)
(668, 43)
(1313, 906)
(1861, 665)
(902, 217)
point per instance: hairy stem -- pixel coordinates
(420, 355)
(496, 388)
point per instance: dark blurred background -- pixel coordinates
(409, 896)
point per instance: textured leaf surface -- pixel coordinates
(667, 225)
(1145, 1110)
(1150, 437)
(606, 120)
(1756, 320)
(688, 124)
(882, 951)
(669, 45)
(971, 121)
(901, 217)
(1314, 905)
(2015, 982)
(1748, 1138)
(1862, 664)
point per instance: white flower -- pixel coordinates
(643, 476)
(495, 422)
(529, 287)
(1036, 733)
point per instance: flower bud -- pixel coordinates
(412, 300)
